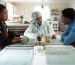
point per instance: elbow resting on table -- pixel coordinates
(66, 42)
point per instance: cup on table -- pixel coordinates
(47, 39)
(24, 39)
(38, 50)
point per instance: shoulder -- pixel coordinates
(45, 22)
(32, 24)
(73, 28)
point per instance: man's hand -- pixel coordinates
(53, 37)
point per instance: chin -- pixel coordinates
(5, 19)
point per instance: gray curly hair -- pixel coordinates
(35, 15)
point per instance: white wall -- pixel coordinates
(59, 6)
(72, 4)
(21, 10)
(2, 2)
(21, 7)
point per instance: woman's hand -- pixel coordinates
(16, 40)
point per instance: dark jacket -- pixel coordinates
(4, 41)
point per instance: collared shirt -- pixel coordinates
(45, 29)
(40, 29)
(4, 41)
(4, 29)
(69, 35)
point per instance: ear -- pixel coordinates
(67, 19)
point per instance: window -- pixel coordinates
(45, 12)
(10, 11)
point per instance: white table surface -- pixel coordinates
(56, 41)
(56, 55)
(53, 55)
(31, 41)
(16, 56)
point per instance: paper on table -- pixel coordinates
(19, 45)
(60, 56)
(18, 48)
(16, 57)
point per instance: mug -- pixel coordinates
(24, 40)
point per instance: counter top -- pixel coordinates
(16, 24)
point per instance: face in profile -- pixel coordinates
(65, 20)
(4, 15)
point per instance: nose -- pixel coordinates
(7, 16)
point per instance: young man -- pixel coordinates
(6, 37)
(68, 17)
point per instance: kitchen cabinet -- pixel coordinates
(54, 25)
(17, 27)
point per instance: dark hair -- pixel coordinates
(2, 7)
(69, 13)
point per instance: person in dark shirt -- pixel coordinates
(6, 37)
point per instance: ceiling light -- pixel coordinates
(42, 6)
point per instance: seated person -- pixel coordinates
(6, 37)
(39, 25)
(68, 17)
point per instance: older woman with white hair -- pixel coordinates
(39, 25)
